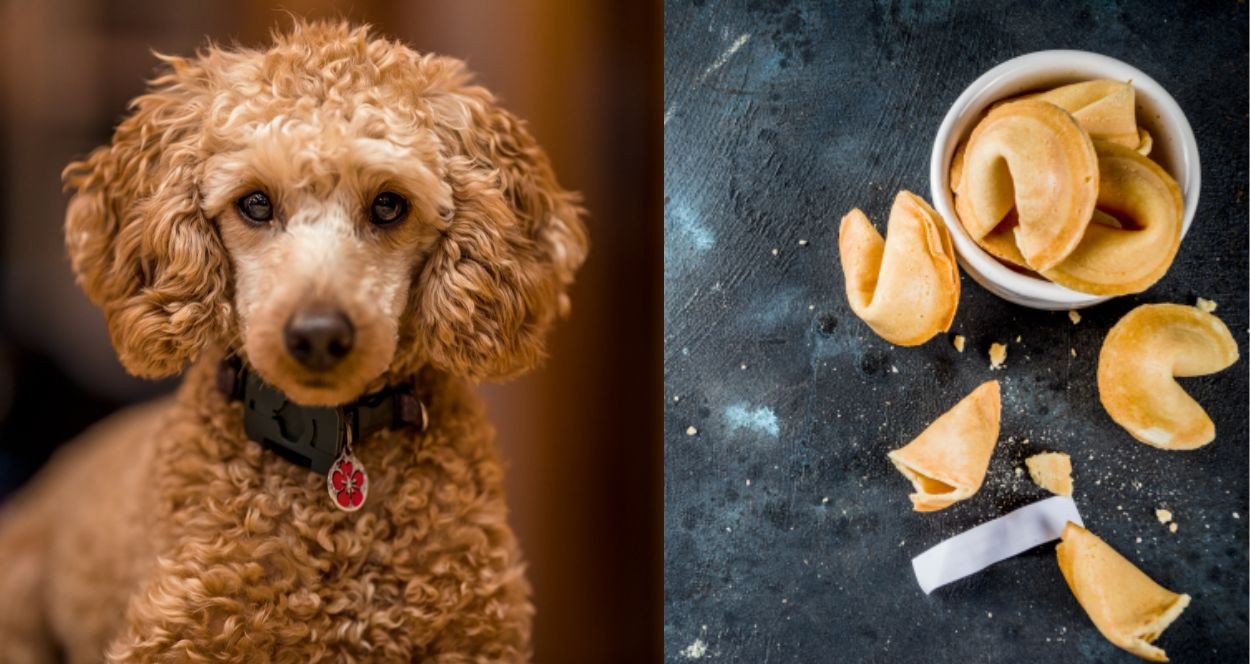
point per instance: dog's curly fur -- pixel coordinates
(164, 534)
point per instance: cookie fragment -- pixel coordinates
(998, 355)
(1051, 471)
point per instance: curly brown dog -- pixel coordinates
(339, 216)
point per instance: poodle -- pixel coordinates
(338, 235)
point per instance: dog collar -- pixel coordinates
(319, 437)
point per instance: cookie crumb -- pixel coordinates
(776, 251)
(811, 307)
(1073, 351)
(1163, 515)
(959, 342)
(1172, 527)
(1236, 515)
(1206, 305)
(802, 243)
(744, 366)
(1139, 540)
(824, 501)
(893, 369)
(998, 355)
(676, 398)
(1074, 316)
(691, 431)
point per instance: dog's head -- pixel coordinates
(339, 209)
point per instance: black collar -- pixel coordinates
(312, 436)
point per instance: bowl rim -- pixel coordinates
(980, 265)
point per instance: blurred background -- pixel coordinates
(580, 436)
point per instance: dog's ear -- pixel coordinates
(510, 246)
(139, 244)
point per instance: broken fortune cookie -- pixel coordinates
(1051, 471)
(946, 463)
(905, 286)
(1127, 606)
(1137, 364)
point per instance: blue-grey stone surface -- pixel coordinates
(788, 535)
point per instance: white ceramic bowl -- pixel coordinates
(1174, 149)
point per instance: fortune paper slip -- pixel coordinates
(973, 550)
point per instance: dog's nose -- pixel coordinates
(319, 336)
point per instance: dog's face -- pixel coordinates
(326, 220)
(338, 209)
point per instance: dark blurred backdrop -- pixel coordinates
(581, 436)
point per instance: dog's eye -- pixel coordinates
(256, 208)
(388, 208)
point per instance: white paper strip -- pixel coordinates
(973, 550)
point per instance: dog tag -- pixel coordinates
(347, 482)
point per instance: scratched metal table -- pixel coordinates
(788, 535)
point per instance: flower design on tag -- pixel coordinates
(347, 483)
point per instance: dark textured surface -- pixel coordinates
(791, 541)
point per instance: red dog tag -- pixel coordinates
(347, 482)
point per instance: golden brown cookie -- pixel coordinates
(1031, 156)
(1139, 358)
(1148, 209)
(905, 286)
(1127, 606)
(1105, 109)
(946, 463)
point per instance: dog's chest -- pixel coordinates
(254, 541)
(293, 512)
(424, 515)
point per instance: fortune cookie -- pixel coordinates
(1105, 109)
(1139, 358)
(1000, 242)
(1031, 156)
(946, 463)
(1129, 608)
(1111, 260)
(905, 287)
